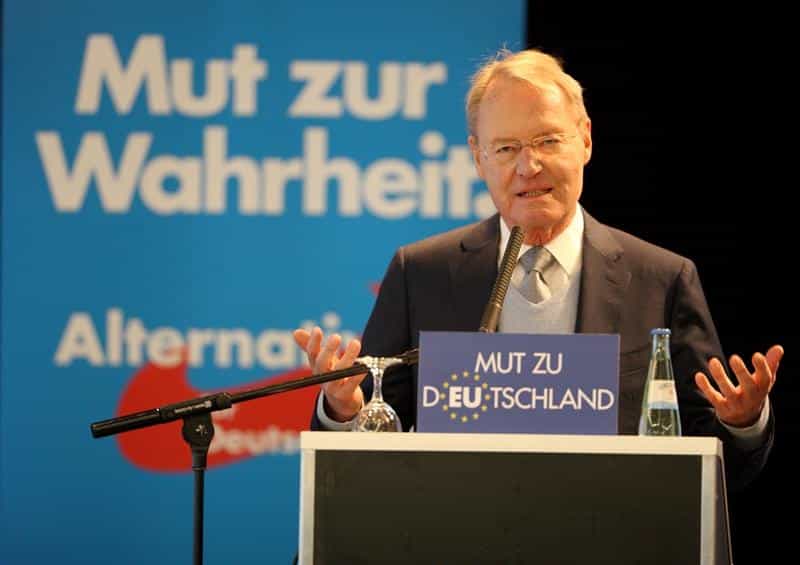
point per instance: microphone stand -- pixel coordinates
(198, 428)
(491, 314)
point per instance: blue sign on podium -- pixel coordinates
(518, 383)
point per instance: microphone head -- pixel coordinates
(513, 246)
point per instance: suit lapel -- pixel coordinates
(473, 269)
(604, 279)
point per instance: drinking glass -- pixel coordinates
(377, 415)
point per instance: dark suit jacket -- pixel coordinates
(628, 287)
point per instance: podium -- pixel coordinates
(495, 498)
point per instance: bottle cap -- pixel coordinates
(660, 331)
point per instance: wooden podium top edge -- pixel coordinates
(515, 443)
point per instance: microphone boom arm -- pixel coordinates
(224, 400)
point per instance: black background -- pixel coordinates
(691, 114)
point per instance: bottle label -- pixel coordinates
(662, 395)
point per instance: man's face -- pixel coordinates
(536, 189)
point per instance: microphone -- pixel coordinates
(491, 314)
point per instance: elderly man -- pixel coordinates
(531, 138)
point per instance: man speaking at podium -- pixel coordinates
(530, 137)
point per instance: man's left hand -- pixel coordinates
(741, 405)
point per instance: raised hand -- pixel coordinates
(343, 397)
(740, 405)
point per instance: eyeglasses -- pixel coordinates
(506, 151)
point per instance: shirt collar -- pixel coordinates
(566, 247)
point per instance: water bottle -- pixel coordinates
(660, 416)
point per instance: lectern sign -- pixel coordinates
(518, 383)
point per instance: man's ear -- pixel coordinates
(476, 155)
(586, 134)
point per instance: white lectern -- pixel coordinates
(494, 498)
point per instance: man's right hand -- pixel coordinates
(344, 397)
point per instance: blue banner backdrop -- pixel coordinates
(184, 183)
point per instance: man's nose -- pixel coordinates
(528, 162)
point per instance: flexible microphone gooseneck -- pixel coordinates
(491, 315)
